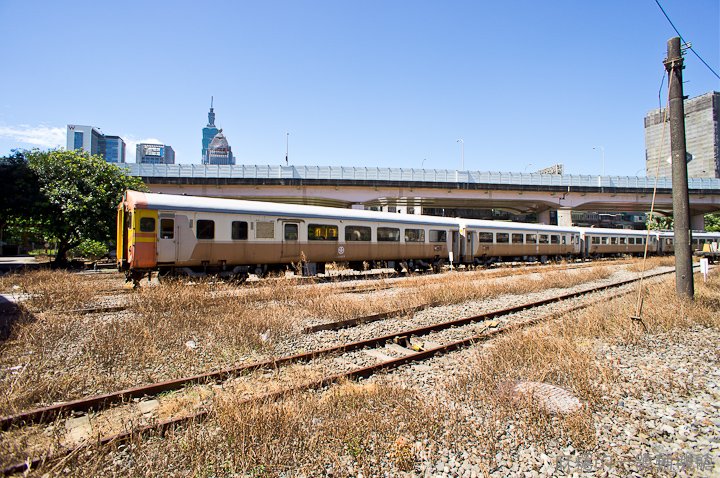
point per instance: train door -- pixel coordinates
(290, 249)
(167, 239)
(469, 247)
(458, 246)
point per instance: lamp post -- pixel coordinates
(287, 148)
(422, 165)
(462, 154)
(602, 150)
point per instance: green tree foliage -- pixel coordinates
(76, 196)
(19, 194)
(712, 222)
(656, 222)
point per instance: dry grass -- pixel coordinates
(52, 357)
(49, 289)
(651, 263)
(370, 427)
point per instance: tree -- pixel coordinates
(712, 222)
(20, 194)
(78, 195)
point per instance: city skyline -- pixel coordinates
(524, 86)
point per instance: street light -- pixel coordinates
(422, 165)
(462, 153)
(287, 148)
(602, 150)
(526, 167)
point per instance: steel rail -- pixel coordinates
(364, 372)
(51, 412)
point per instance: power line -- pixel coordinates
(683, 40)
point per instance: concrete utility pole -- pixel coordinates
(684, 285)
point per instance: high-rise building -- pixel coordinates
(702, 138)
(209, 131)
(92, 140)
(146, 153)
(219, 151)
(114, 149)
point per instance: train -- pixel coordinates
(180, 235)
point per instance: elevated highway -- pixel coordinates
(411, 190)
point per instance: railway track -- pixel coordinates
(404, 337)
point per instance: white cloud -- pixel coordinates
(44, 136)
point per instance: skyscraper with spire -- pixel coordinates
(209, 131)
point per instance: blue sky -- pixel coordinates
(525, 84)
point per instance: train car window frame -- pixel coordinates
(604, 240)
(205, 229)
(291, 231)
(563, 240)
(531, 238)
(486, 237)
(414, 235)
(543, 239)
(437, 235)
(147, 224)
(595, 240)
(502, 238)
(388, 234)
(623, 241)
(358, 233)
(631, 241)
(518, 238)
(167, 231)
(322, 232)
(554, 239)
(614, 241)
(239, 230)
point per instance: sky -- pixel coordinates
(375, 83)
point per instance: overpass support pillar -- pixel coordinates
(697, 222)
(564, 216)
(544, 217)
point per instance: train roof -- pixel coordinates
(606, 231)
(155, 201)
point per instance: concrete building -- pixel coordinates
(92, 140)
(702, 135)
(146, 153)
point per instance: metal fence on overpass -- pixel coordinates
(340, 173)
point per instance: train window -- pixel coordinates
(438, 236)
(543, 239)
(414, 235)
(357, 233)
(530, 238)
(631, 240)
(563, 239)
(604, 240)
(291, 232)
(486, 237)
(265, 230)
(239, 231)
(388, 234)
(147, 224)
(554, 239)
(614, 240)
(322, 232)
(502, 237)
(167, 228)
(205, 229)
(622, 241)
(517, 238)
(595, 240)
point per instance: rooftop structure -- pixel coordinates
(146, 153)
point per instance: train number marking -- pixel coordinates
(341, 250)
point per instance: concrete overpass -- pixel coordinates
(411, 190)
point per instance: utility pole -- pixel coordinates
(684, 285)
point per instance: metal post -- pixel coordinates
(684, 284)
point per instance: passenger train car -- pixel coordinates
(192, 236)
